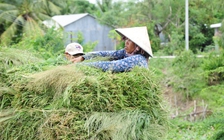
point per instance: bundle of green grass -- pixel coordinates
(80, 102)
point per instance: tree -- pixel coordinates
(23, 18)
(168, 17)
(108, 12)
(75, 6)
(202, 13)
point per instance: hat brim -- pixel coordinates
(75, 53)
(78, 54)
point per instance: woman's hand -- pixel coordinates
(77, 59)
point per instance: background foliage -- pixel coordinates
(192, 78)
(165, 19)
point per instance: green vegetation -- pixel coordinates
(196, 98)
(47, 98)
(42, 96)
(21, 18)
(77, 102)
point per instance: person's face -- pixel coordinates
(70, 57)
(129, 46)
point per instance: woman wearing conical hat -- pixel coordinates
(136, 52)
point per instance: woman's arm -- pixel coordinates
(114, 55)
(121, 65)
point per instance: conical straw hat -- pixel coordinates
(139, 35)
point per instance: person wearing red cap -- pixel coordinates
(136, 52)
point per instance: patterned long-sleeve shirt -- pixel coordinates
(120, 61)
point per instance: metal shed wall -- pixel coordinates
(92, 31)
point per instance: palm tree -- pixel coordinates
(76, 6)
(22, 18)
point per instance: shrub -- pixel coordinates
(214, 68)
(187, 74)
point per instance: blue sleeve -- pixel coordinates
(114, 55)
(122, 65)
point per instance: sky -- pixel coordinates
(92, 1)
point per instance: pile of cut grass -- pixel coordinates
(31, 124)
(10, 57)
(80, 102)
(13, 64)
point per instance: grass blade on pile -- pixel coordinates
(123, 125)
(31, 124)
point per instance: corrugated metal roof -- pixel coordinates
(216, 25)
(64, 20)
